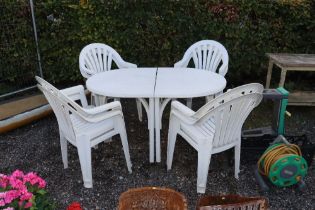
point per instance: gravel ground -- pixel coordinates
(35, 147)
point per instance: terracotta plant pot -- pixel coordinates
(225, 202)
(150, 198)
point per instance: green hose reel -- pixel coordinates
(287, 170)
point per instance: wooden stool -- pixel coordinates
(293, 62)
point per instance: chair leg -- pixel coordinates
(84, 152)
(172, 134)
(139, 108)
(124, 142)
(237, 156)
(93, 99)
(204, 158)
(98, 100)
(102, 100)
(64, 150)
(189, 102)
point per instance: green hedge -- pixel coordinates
(17, 47)
(157, 33)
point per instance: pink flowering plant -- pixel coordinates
(23, 191)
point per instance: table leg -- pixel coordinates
(157, 130)
(282, 77)
(269, 74)
(151, 128)
(163, 104)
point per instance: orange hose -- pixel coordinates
(273, 155)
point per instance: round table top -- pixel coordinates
(156, 82)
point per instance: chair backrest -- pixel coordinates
(207, 55)
(227, 96)
(228, 112)
(62, 106)
(98, 57)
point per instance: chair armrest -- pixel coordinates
(182, 108)
(223, 69)
(86, 73)
(182, 63)
(73, 90)
(115, 105)
(183, 112)
(129, 65)
(76, 93)
(102, 112)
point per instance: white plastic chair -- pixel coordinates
(209, 55)
(214, 128)
(84, 127)
(97, 57)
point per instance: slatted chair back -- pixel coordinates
(227, 113)
(208, 55)
(229, 95)
(98, 57)
(62, 106)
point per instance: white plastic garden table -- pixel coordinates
(159, 85)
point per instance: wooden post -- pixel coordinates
(269, 73)
(282, 78)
